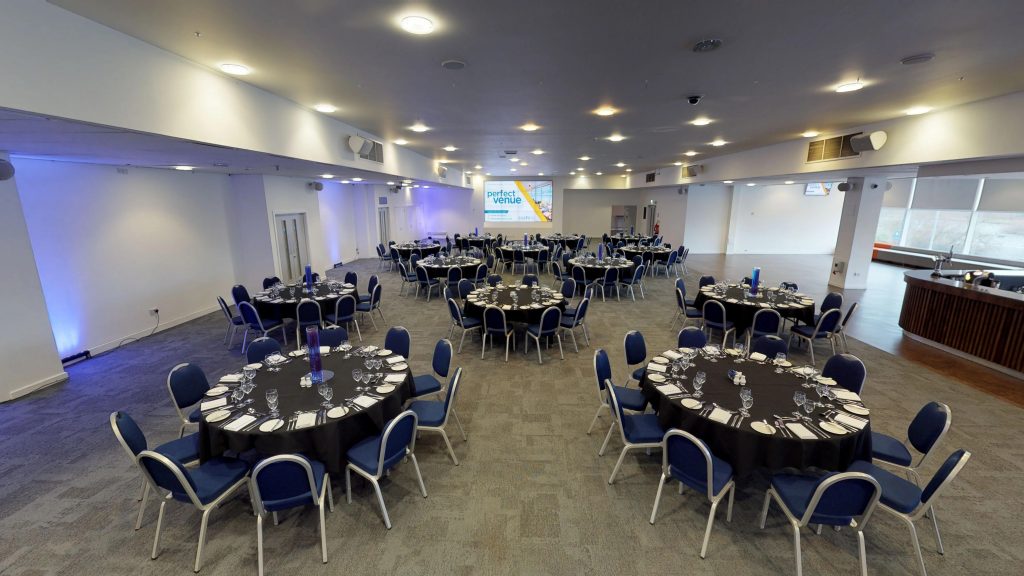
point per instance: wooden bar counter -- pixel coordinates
(984, 323)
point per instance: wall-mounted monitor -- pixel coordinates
(819, 188)
(518, 201)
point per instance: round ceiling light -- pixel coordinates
(616, 138)
(810, 134)
(453, 64)
(401, 141)
(419, 127)
(690, 153)
(357, 179)
(184, 168)
(449, 148)
(417, 24)
(325, 108)
(529, 127)
(719, 142)
(702, 121)
(707, 45)
(916, 110)
(606, 111)
(850, 86)
(235, 69)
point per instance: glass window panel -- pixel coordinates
(1002, 195)
(945, 193)
(899, 194)
(999, 235)
(937, 229)
(890, 226)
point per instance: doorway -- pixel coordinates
(292, 245)
(384, 224)
(623, 219)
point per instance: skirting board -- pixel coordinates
(108, 346)
(50, 381)
(966, 356)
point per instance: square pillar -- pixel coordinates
(856, 238)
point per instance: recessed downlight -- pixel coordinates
(598, 173)
(327, 176)
(540, 173)
(726, 181)
(235, 69)
(789, 182)
(357, 179)
(416, 24)
(677, 163)
(449, 148)
(529, 127)
(391, 183)
(580, 169)
(620, 164)
(719, 142)
(615, 138)
(537, 152)
(606, 111)
(584, 158)
(690, 153)
(401, 141)
(707, 45)
(511, 169)
(810, 133)
(443, 161)
(524, 163)
(478, 167)
(184, 168)
(513, 159)
(346, 181)
(751, 183)
(419, 127)
(487, 173)
(850, 86)
(701, 121)
(629, 169)
(916, 110)
(325, 108)
(573, 173)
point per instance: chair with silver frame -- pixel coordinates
(496, 324)
(577, 320)
(234, 322)
(433, 414)
(187, 385)
(459, 321)
(824, 330)
(638, 431)
(549, 325)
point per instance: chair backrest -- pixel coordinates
(581, 310)
(128, 433)
(441, 362)
(449, 398)
(448, 294)
(568, 288)
(250, 316)
(769, 345)
(831, 301)
(345, 308)
(489, 261)
(638, 260)
(788, 286)
(187, 384)
(333, 336)
(687, 456)
(714, 313)
(841, 497)
(680, 300)
(454, 274)
(706, 280)
(602, 371)
(550, 320)
(616, 410)
(494, 320)
(530, 280)
(681, 285)
(375, 296)
(638, 274)
(542, 257)
(170, 474)
(692, 337)
(766, 321)
(399, 437)
(648, 257)
(828, 322)
(556, 269)
(398, 340)
(396, 256)
(307, 312)
(421, 275)
(224, 308)
(282, 481)
(847, 370)
(465, 287)
(373, 282)
(268, 282)
(454, 312)
(260, 348)
(944, 476)
(517, 255)
(929, 426)
(849, 312)
(579, 275)
(635, 347)
(352, 278)
(748, 281)
(414, 259)
(493, 280)
(239, 294)
(481, 272)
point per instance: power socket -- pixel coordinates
(154, 311)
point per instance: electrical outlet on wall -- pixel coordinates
(154, 311)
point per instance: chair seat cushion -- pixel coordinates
(536, 331)
(429, 412)
(364, 307)
(430, 281)
(185, 449)
(721, 473)
(631, 398)
(470, 322)
(692, 313)
(337, 320)
(215, 476)
(807, 331)
(195, 415)
(889, 449)
(689, 301)
(729, 325)
(365, 453)
(271, 323)
(897, 493)
(302, 498)
(795, 491)
(638, 374)
(425, 384)
(642, 428)
(364, 297)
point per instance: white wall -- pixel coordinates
(781, 220)
(28, 353)
(446, 211)
(670, 214)
(110, 246)
(252, 253)
(294, 196)
(338, 217)
(708, 212)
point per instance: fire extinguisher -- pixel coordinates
(657, 228)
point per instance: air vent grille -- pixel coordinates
(831, 148)
(376, 153)
(650, 177)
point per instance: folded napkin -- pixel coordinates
(277, 301)
(758, 357)
(719, 415)
(231, 378)
(239, 423)
(276, 359)
(394, 378)
(365, 401)
(672, 355)
(654, 367)
(858, 423)
(506, 307)
(395, 360)
(668, 389)
(211, 404)
(844, 394)
(765, 305)
(801, 431)
(710, 350)
(305, 420)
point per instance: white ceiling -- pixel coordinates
(551, 62)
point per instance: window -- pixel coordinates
(890, 226)
(938, 229)
(999, 235)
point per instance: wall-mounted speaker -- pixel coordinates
(355, 143)
(6, 170)
(870, 141)
(691, 171)
(317, 186)
(844, 187)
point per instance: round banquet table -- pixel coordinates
(526, 312)
(284, 306)
(740, 307)
(743, 447)
(569, 242)
(478, 241)
(438, 268)
(635, 239)
(533, 252)
(594, 268)
(330, 438)
(659, 253)
(405, 250)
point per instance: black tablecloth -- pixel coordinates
(744, 448)
(569, 242)
(741, 313)
(635, 239)
(327, 442)
(659, 255)
(522, 314)
(595, 270)
(405, 250)
(478, 241)
(508, 252)
(286, 309)
(440, 270)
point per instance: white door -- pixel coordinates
(652, 218)
(292, 245)
(384, 224)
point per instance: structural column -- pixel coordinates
(857, 225)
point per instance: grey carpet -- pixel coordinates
(530, 496)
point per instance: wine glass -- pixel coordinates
(779, 359)
(747, 399)
(698, 383)
(357, 375)
(327, 392)
(743, 352)
(809, 407)
(272, 401)
(799, 397)
(248, 374)
(366, 379)
(237, 394)
(270, 365)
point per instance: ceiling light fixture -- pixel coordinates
(391, 183)
(584, 158)
(325, 108)
(524, 163)
(235, 69)
(327, 176)
(529, 127)
(478, 167)
(401, 141)
(540, 173)
(184, 168)
(850, 86)
(917, 59)
(346, 182)
(621, 164)
(357, 179)
(690, 153)
(419, 127)
(916, 110)
(449, 148)
(629, 169)
(580, 169)
(719, 142)
(606, 111)
(537, 152)
(751, 184)
(622, 175)
(443, 161)
(487, 173)
(572, 173)
(415, 24)
(677, 163)
(406, 181)
(616, 138)
(702, 121)
(511, 169)
(726, 181)
(810, 134)
(598, 173)
(789, 182)
(513, 159)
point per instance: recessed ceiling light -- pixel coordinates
(623, 175)
(677, 163)
(537, 152)
(751, 184)
(406, 181)
(469, 171)
(719, 142)
(540, 173)
(415, 24)
(449, 148)
(702, 121)
(616, 138)
(327, 176)
(185, 168)
(850, 86)
(513, 159)
(419, 127)
(346, 182)
(391, 183)
(620, 164)
(415, 185)
(425, 186)
(478, 167)
(584, 158)
(401, 141)
(357, 179)
(914, 111)
(598, 173)
(726, 181)
(524, 163)
(580, 169)
(325, 108)
(606, 111)
(690, 153)
(443, 161)
(789, 182)
(572, 173)
(529, 127)
(629, 169)
(511, 169)
(487, 174)
(810, 134)
(235, 69)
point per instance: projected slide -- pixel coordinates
(517, 201)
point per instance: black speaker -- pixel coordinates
(6, 170)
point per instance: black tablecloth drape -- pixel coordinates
(440, 270)
(525, 313)
(405, 250)
(595, 270)
(741, 312)
(286, 308)
(659, 255)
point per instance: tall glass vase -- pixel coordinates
(316, 374)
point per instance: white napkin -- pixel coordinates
(231, 378)
(672, 355)
(668, 389)
(325, 350)
(305, 420)
(709, 350)
(365, 401)
(276, 359)
(211, 404)
(654, 367)
(858, 423)
(395, 360)
(719, 415)
(758, 357)
(506, 307)
(239, 423)
(801, 431)
(394, 378)
(844, 394)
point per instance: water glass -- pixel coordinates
(237, 394)
(698, 383)
(748, 401)
(799, 397)
(779, 359)
(357, 374)
(248, 374)
(809, 407)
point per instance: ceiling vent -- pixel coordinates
(649, 178)
(831, 149)
(366, 149)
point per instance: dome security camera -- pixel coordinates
(695, 99)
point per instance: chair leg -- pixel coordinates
(380, 500)
(358, 331)
(863, 553)
(419, 477)
(323, 533)
(618, 465)
(917, 545)
(707, 531)
(764, 509)
(159, 524)
(451, 451)
(657, 497)
(796, 550)
(348, 484)
(259, 543)
(202, 539)
(459, 424)
(607, 438)
(596, 416)
(732, 498)
(935, 523)
(558, 338)
(142, 506)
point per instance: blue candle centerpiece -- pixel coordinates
(309, 278)
(316, 374)
(755, 276)
(630, 230)
(600, 251)
(476, 231)
(526, 240)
